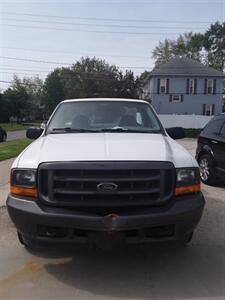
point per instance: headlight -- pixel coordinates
(23, 182)
(188, 181)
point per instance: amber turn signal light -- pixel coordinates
(187, 189)
(21, 191)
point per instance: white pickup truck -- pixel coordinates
(104, 170)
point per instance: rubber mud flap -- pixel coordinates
(106, 240)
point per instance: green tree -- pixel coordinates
(214, 43)
(17, 99)
(4, 109)
(23, 97)
(208, 48)
(88, 78)
(163, 52)
(95, 78)
(144, 76)
(53, 91)
(187, 45)
(129, 86)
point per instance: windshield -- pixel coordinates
(97, 116)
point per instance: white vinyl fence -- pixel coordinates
(185, 121)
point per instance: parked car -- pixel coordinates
(105, 170)
(211, 150)
(3, 135)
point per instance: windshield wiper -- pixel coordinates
(119, 129)
(116, 129)
(71, 130)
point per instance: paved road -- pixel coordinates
(153, 272)
(15, 135)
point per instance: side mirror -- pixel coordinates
(43, 125)
(34, 133)
(176, 133)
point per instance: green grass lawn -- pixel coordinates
(16, 126)
(13, 126)
(12, 148)
(192, 133)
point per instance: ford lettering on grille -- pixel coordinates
(107, 187)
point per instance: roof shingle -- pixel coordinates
(182, 66)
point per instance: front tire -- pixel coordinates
(206, 166)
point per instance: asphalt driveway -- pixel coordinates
(15, 135)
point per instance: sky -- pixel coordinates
(38, 36)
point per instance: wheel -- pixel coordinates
(206, 169)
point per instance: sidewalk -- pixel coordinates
(4, 179)
(16, 135)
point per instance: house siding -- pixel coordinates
(191, 104)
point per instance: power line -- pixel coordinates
(70, 65)
(5, 81)
(20, 73)
(110, 19)
(26, 70)
(27, 67)
(34, 60)
(68, 73)
(74, 52)
(60, 63)
(99, 25)
(91, 31)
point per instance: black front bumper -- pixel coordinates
(53, 224)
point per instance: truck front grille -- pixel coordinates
(76, 184)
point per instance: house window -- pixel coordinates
(208, 109)
(192, 86)
(176, 98)
(163, 86)
(209, 86)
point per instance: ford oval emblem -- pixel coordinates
(107, 187)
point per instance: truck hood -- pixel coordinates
(104, 147)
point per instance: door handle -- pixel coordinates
(214, 142)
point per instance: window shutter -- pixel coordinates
(196, 82)
(214, 86)
(171, 97)
(205, 87)
(213, 109)
(158, 85)
(188, 85)
(167, 85)
(204, 105)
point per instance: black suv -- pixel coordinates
(211, 150)
(3, 135)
